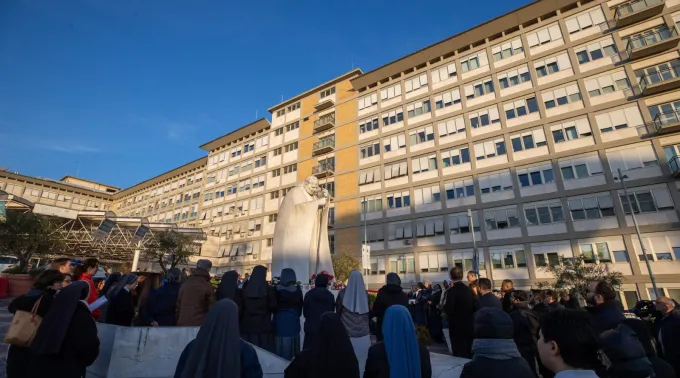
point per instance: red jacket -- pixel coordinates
(94, 295)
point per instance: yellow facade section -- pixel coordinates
(308, 104)
(345, 112)
(346, 241)
(345, 135)
(305, 169)
(346, 159)
(344, 90)
(347, 211)
(305, 148)
(307, 126)
(346, 185)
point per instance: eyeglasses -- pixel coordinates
(67, 280)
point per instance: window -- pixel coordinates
(446, 99)
(514, 77)
(528, 140)
(484, 117)
(418, 108)
(664, 114)
(498, 219)
(290, 169)
(280, 113)
(293, 126)
(368, 101)
(520, 108)
(460, 223)
(369, 177)
(474, 61)
(370, 150)
(390, 92)
(451, 126)
(377, 266)
(479, 89)
(277, 151)
(596, 50)
(394, 143)
(595, 253)
(270, 242)
(632, 157)
(607, 83)
(261, 161)
(395, 170)
(433, 263)
(561, 96)
(658, 73)
(258, 182)
(421, 135)
(620, 256)
(552, 65)
(398, 200)
(536, 175)
(278, 131)
(421, 164)
(585, 20)
(427, 195)
(276, 172)
(649, 36)
(401, 231)
(368, 124)
(327, 92)
(429, 227)
(248, 147)
(544, 35)
(507, 49)
(459, 188)
(247, 166)
(375, 234)
(235, 152)
(508, 259)
(591, 207)
(581, 167)
(272, 218)
(455, 156)
(571, 130)
(647, 200)
(495, 182)
(443, 73)
(291, 147)
(545, 213)
(490, 148)
(393, 116)
(293, 107)
(274, 194)
(415, 83)
(371, 205)
(231, 189)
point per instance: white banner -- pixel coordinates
(366, 256)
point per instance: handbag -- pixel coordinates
(24, 326)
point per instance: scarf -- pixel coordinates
(495, 349)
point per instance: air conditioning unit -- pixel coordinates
(408, 241)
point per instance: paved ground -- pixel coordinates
(5, 320)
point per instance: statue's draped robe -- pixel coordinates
(301, 227)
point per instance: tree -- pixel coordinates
(574, 275)
(343, 264)
(23, 235)
(172, 247)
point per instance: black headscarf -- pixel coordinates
(52, 330)
(321, 280)
(333, 355)
(173, 275)
(217, 348)
(393, 279)
(288, 280)
(110, 281)
(256, 287)
(228, 285)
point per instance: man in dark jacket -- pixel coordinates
(525, 323)
(487, 298)
(161, 307)
(494, 351)
(390, 294)
(669, 332)
(606, 310)
(460, 309)
(317, 301)
(195, 297)
(507, 287)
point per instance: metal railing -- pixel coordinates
(674, 164)
(661, 75)
(625, 10)
(324, 119)
(323, 167)
(324, 142)
(649, 38)
(665, 119)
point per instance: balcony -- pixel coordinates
(674, 163)
(637, 10)
(324, 145)
(325, 122)
(667, 122)
(324, 169)
(650, 42)
(324, 104)
(665, 79)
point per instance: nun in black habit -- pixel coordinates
(228, 288)
(258, 303)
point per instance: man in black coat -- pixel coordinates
(487, 298)
(317, 301)
(460, 309)
(669, 332)
(526, 327)
(390, 294)
(507, 288)
(606, 310)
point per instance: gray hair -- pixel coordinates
(174, 275)
(204, 264)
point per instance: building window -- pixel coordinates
(649, 36)
(585, 20)
(446, 99)
(277, 151)
(280, 113)
(327, 92)
(427, 195)
(520, 108)
(371, 205)
(291, 147)
(561, 96)
(261, 161)
(571, 130)
(591, 207)
(607, 83)
(395, 170)
(293, 107)
(459, 189)
(508, 49)
(401, 231)
(370, 150)
(620, 256)
(247, 166)
(474, 61)
(443, 73)
(464, 260)
(489, 149)
(421, 135)
(455, 156)
(533, 176)
(429, 227)
(375, 234)
(596, 50)
(368, 101)
(421, 164)
(274, 194)
(398, 200)
(418, 108)
(460, 223)
(544, 35)
(479, 89)
(598, 254)
(433, 263)
(276, 172)
(543, 214)
(581, 167)
(528, 140)
(514, 77)
(552, 65)
(290, 169)
(495, 182)
(293, 126)
(509, 259)
(632, 157)
(647, 201)
(368, 124)
(451, 126)
(278, 131)
(484, 117)
(547, 259)
(244, 185)
(270, 242)
(658, 73)
(664, 114)
(501, 219)
(415, 83)
(393, 116)
(390, 92)
(369, 177)
(394, 143)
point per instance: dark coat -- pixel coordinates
(387, 296)
(607, 315)
(669, 339)
(18, 358)
(378, 367)
(316, 302)
(256, 314)
(482, 367)
(525, 334)
(80, 350)
(250, 364)
(435, 318)
(288, 311)
(121, 309)
(489, 300)
(460, 311)
(506, 302)
(421, 307)
(355, 324)
(162, 304)
(195, 298)
(662, 369)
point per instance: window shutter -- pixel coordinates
(483, 59)
(409, 86)
(603, 121)
(479, 150)
(418, 196)
(374, 98)
(582, 126)
(532, 39)
(662, 198)
(572, 25)
(597, 16)
(633, 116)
(584, 21)
(555, 32)
(544, 35)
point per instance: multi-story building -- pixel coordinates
(525, 120)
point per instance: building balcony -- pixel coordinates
(325, 122)
(324, 104)
(667, 122)
(637, 10)
(650, 84)
(649, 43)
(324, 169)
(674, 164)
(324, 145)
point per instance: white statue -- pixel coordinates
(301, 232)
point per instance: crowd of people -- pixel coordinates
(504, 333)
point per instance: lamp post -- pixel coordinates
(623, 177)
(475, 255)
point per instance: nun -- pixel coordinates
(121, 309)
(259, 301)
(352, 305)
(399, 355)
(218, 351)
(66, 341)
(287, 315)
(228, 288)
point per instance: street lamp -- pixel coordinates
(475, 255)
(623, 177)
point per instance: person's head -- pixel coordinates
(664, 305)
(420, 286)
(506, 286)
(519, 296)
(204, 264)
(67, 280)
(173, 275)
(392, 279)
(428, 284)
(91, 265)
(49, 279)
(484, 285)
(321, 280)
(493, 323)
(549, 297)
(643, 335)
(456, 274)
(446, 284)
(311, 185)
(623, 354)
(599, 292)
(567, 341)
(62, 264)
(471, 275)
(152, 282)
(474, 287)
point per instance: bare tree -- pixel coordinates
(172, 248)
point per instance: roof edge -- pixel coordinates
(236, 134)
(191, 165)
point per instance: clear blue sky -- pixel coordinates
(128, 89)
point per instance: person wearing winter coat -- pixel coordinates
(84, 272)
(390, 294)
(460, 311)
(229, 288)
(287, 316)
(669, 331)
(494, 352)
(662, 369)
(487, 298)
(422, 296)
(195, 296)
(525, 324)
(162, 303)
(434, 320)
(317, 301)
(121, 309)
(259, 301)
(606, 310)
(625, 356)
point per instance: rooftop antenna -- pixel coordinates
(78, 171)
(352, 61)
(281, 98)
(256, 113)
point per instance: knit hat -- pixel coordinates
(493, 323)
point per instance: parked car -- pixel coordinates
(7, 262)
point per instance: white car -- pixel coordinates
(7, 262)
